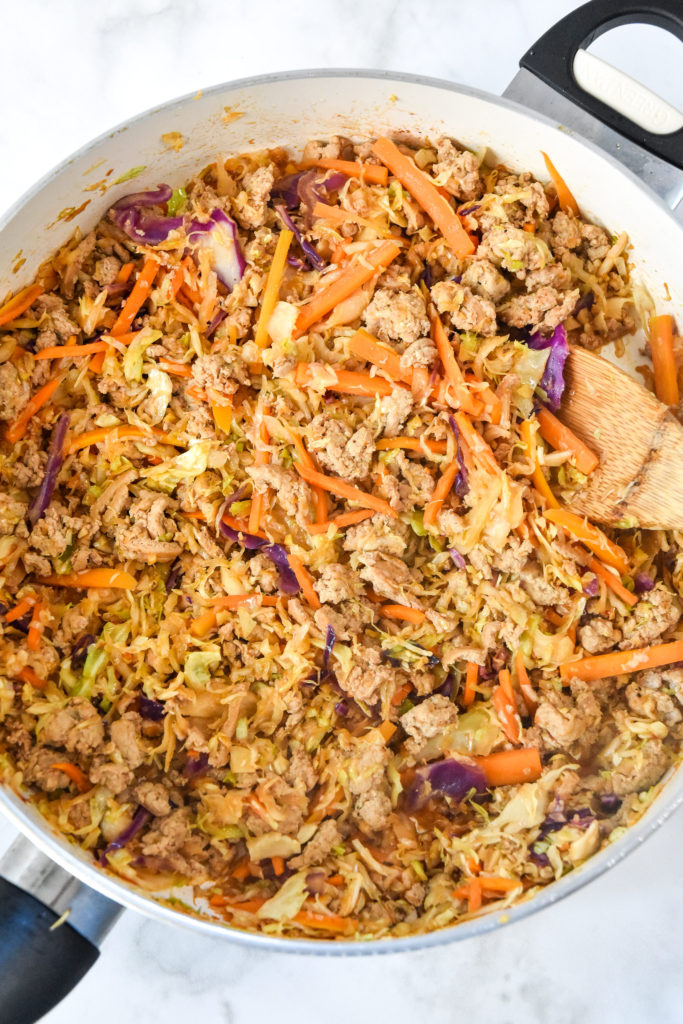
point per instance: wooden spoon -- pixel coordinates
(639, 442)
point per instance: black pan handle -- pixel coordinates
(51, 926)
(39, 963)
(552, 60)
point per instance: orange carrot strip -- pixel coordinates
(221, 409)
(373, 174)
(345, 519)
(305, 581)
(474, 895)
(27, 675)
(175, 368)
(494, 884)
(325, 922)
(509, 767)
(241, 525)
(506, 709)
(348, 382)
(463, 397)
(412, 444)
(321, 505)
(471, 679)
(401, 694)
(386, 730)
(114, 577)
(278, 865)
(594, 539)
(19, 303)
(364, 346)
(565, 197)
(233, 601)
(138, 296)
(81, 781)
(97, 361)
(526, 430)
(402, 613)
(65, 351)
(17, 429)
(20, 609)
(342, 489)
(349, 281)
(613, 582)
(35, 630)
(475, 442)
(125, 272)
(440, 493)
(562, 439)
(524, 683)
(663, 360)
(424, 192)
(620, 663)
(124, 432)
(272, 288)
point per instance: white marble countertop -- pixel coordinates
(610, 953)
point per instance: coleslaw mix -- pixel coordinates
(294, 618)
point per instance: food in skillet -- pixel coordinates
(293, 611)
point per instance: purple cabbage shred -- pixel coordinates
(130, 215)
(450, 778)
(314, 259)
(139, 821)
(55, 458)
(552, 381)
(152, 710)
(643, 583)
(79, 651)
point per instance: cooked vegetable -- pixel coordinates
(55, 458)
(606, 550)
(561, 438)
(621, 662)
(564, 196)
(218, 236)
(425, 193)
(663, 359)
(551, 384)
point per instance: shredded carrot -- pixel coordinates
(241, 525)
(474, 895)
(461, 393)
(27, 675)
(335, 880)
(278, 865)
(527, 433)
(208, 620)
(476, 443)
(562, 439)
(372, 174)
(443, 488)
(350, 279)
(347, 382)
(97, 361)
(17, 429)
(272, 288)
(125, 272)
(338, 522)
(261, 458)
(175, 368)
(23, 606)
(401, 694)
(342, 489)
(80, 780)
(365, 346)
(386, 730)
(247, 906)
(321, 504)
(506, 709)
(619, 663)
(412, 444)
(594, 539)
(221, 409)
(510, 767)
(19, 303)
(35, 630)
(613, 582)
(402, 613)
(326, 922)
(115, 577)
(489, 885)
(124, 432)
(67, 351)
(424, 192)
(663, 359)
(305, 581)
(564, 196)
(420, 383)
(471, 679)
(524, 683)
(138, 296)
